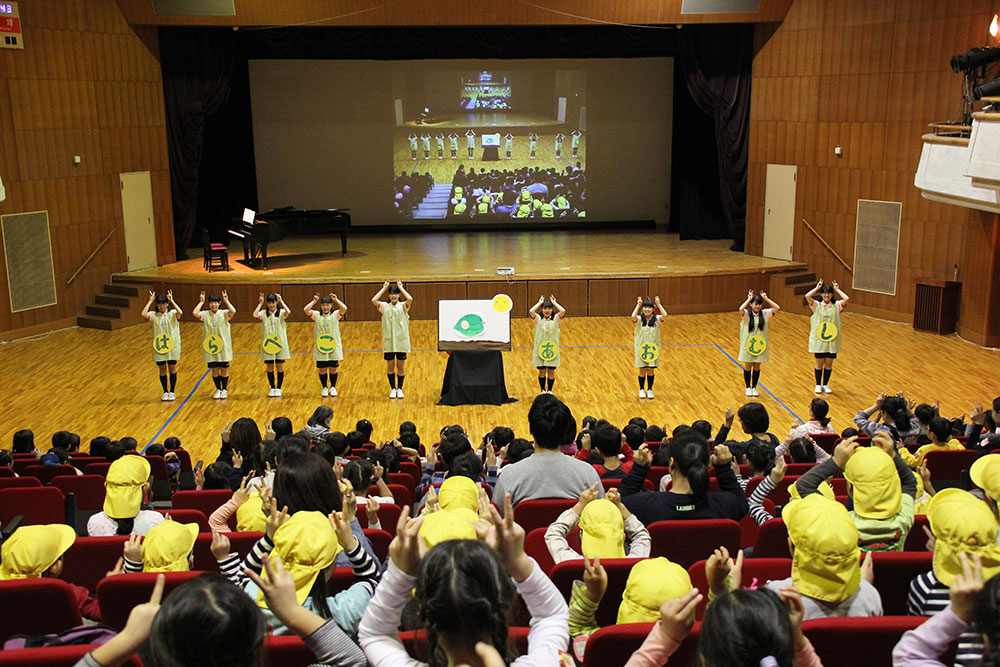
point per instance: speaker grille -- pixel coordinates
(28, 250)
(194, 7)
(876, 246)
(719, 6)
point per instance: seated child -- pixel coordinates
(605, 526)
(939, 433)
(985, 474)
(168, 547)
(247, 504)
(607, 442)
(37, 551)
(124, 489)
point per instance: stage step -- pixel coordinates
(112, 300)
(105, 311)
(116, 307)
(99, 322)
(124, 289)
(435, 203)
(800, 277)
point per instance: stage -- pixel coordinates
(502, 120)
(591, 273)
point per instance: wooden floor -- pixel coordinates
(535, 255)
(103, 382)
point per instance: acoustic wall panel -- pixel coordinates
(28, 251)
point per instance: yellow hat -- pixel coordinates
(167, 546)
(651, 582)
(825, 563)
(877, 490)
(460, 208)
(962, 523)
(602, 530)
(250, 515)
(454, 524)
(459, 491)
(985, 473)
(123, 486)
(32, 550)
(824, 489)
(306, 544)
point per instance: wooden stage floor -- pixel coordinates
(96, 382)
(473, 255)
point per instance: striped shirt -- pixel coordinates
(927, 597)
(756, 500)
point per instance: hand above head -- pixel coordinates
(152, 295)
(350, 502)
(342, 526)
(879, 400)
(819, 283)
(924, 472)
(586, 496)
(334, 297)
(242, 494)
(719, 566)
(225, 295)
(170, 294)
(432, 504)
(978, 415)
(385, 285)
(883, 441)
(638, 299)
(220, 545)
(275, 519)
(510, 542)
(677, 615)
(269, 430)
(763, 295)
(225, 431)
(778, 471)
(595, 578)
(643, 456)
(377, 472)
(201, 297)
(796, 613)
(730, 416)
(964, 590)
(371, 509)
(843, 451)
(261, 298)
(835, 285)
(749, 295)
(133, 549)
(278, 588)
(585, 441)
(656, 300)
(721, 455)
(316, 295)
(237, 460)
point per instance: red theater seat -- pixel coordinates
(687, 542)
(893, 573)
(380, 540)
(117, 595)
(761, 569)
(916, 539)
(772, 540)
(90, 558)
(540, 513)
(564, 573)
(388, 517)
(949, 465)
(189, 516)
(88, 489)
(45, 474)
(287, 651)
(37, 607)
(53, 656)
(38, 505)
(415, 642)
(19, 482)
(206, 501)
(864, 641)
(613, 645)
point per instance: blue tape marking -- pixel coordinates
(170, 418)
(778, 400)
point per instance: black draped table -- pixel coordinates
(474, 378)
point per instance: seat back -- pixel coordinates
(893, 573)
(916, 539)
(380, 540)
(388, 517)
(287, 651)
(45, 474)
(184, 458)
(403, 479)
(7, 471)
(772, 540)
(779, 496)
(97, 469)
(78, 461)
(796, 469)
(90, 558)
(748, 527)
(117, 595)
(534, 546)
(19, 482)
(206, 501)
(761, 569)
(37, 607)
(564, 573)
(613, 645)
(189, 516)
(88, 489)
(38, 505)
(541, 512)
(401, 494)
(239, 543)
(20, 464)
(655, 474)
(617, 482)
(859, 640)
(415, 642)
(948, 465)
(687, 542)
(826, 441)
(412, 469)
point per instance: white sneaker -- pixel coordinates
(217, 394)
(224, 394)
(171, 396)
(325, 392)
(392, 394)
(649, 393)
(399, 393)
(754, 392)
(818, 389)
(642, 393)
(333, 391)
(827, 390)
(749, 392)
(166, 396)
(277, 392)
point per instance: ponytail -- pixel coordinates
(820, 409)
(689, 452)
(895, 408)
(125, 526)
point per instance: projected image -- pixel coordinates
(485, 146)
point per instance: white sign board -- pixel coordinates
(474, 324)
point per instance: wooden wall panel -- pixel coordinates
(616, 297)
(571, 294)
(84, 85)
(837, 74)
(517, 291)
(426, 295)
(297, 296)
(359, 298)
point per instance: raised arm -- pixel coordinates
(775, 307)
(808, 296)
(659, 306)
(406, 295)
(145, 309)
(533, 311)
(308, 310)
(634, 316)
(377, 299)
(197, 308)
(840, 295)
(284, 306)
(230, 308)
(746, 304)
(341, 306)
(170, 300)
(560, 311)
(260, 305)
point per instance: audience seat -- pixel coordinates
(7, 471)
(117, 595)
(761, 569)
(772, 540)
(341, 579)
(38, 505)
(798, 469)
(826, 441)
(37, 607)
(97, 469)
(45, 474)
(287, 651)
(19, 482)
(564, 573)
(916, 539)
(78, 461)
(748, 527)
(380, 540)
(655, 474)
(779, 496)
(90, 559)
(686, 542)
(403, 479)
(185, 476)
(189, 516)
(53, 656)
(415, 642)
(401, 495)
(388, 516)
(858, 641)
(206, 501)
(893, 573)
(240, 543)
(534, 546)
(616, 483)
(613, 645)
(412, 469)
(949, 465)
(21, 464)
(88, 489)
(161, 478)
(541, 512)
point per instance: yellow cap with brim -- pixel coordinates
(306, 544)
(651, 582)
(459, 491)
(602, 530)
(123, 486)
(825, 563)
(250, 515)
(985, 473)
(877, 490)
(962, 523)
(32, 550)
(443, 525)
(167, 546)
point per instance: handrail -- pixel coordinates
(91, 256)
(827, 245)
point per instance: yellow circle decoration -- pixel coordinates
(271, 344)
(213, 344)
(649, 352)
(827, 331)
(502, 303)
(756, 345)
(326, 343)
(548, 350)
(163, 343)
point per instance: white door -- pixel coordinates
(137, 210)
(561, 110)
(779, 211)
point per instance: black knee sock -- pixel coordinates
(754, 376)
(827, 372)
(322, 379)
(399, 380)
(217, 380)
(550, 382)
(333, 379)
(541, 382)
(649, 381)
(746, 378)
(163, 382)
(392, 379)
(819, 375)
(642, 382)
(270, 378)
(225, 382)
(173, 381)
(281, 378)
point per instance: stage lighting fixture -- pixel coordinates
(979, 56)
(995, 25)
(988, 89)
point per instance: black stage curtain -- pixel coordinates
(716, 63)
(207, 94)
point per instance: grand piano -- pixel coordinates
(277, 223)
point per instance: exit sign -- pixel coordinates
(10, 26)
